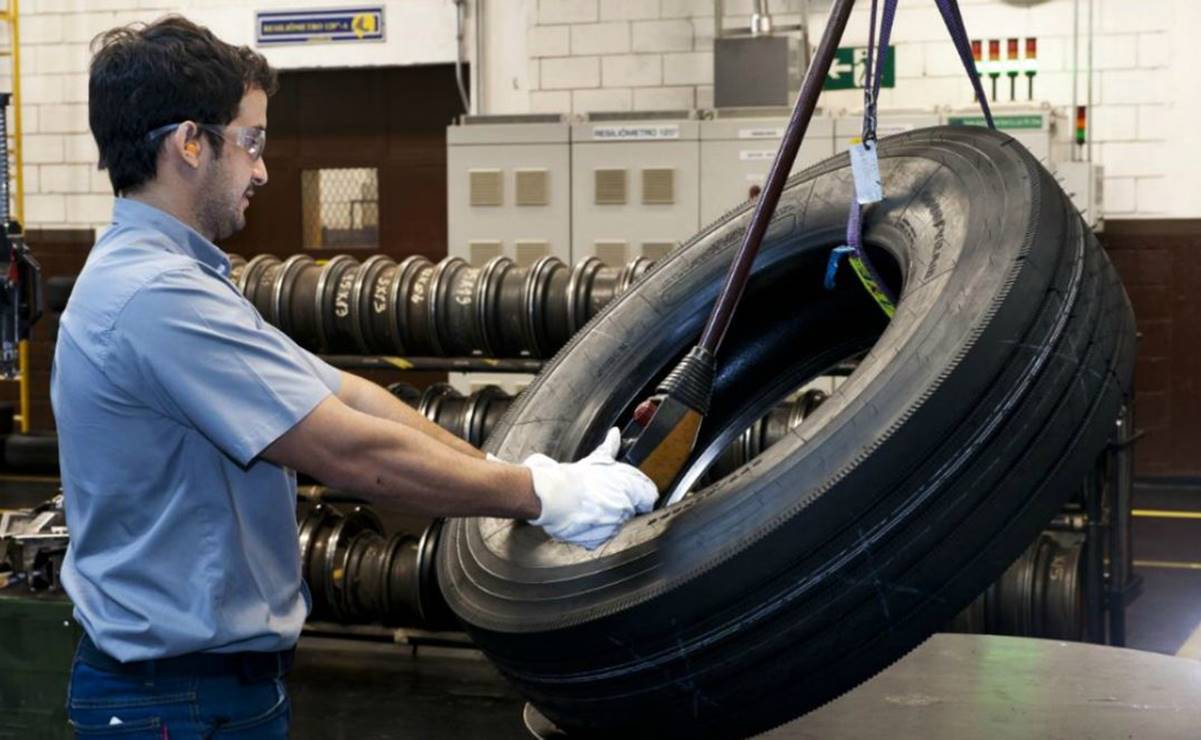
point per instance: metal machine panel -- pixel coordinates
(756, 70)
(634, 181)
(737, 151)
(1084, 182)
(508, 187)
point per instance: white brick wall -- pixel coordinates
(600, 38)
(587, 101)
(568, 11)
(1132, 122)
(624, 10)
(550, 41)
(665, 98)
(64, 178)
(62, 185)
(584, 55)
(663, 36)
(570, 73)
(632, 70)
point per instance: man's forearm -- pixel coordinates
(368, 398)
(398, 462)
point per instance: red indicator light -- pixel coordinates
(1032, 48)
(978, 50)
(994, 50)
(1012, 49)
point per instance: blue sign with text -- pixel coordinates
(308, 26)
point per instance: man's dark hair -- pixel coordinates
(170, 71)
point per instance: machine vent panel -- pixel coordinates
(655, 251)
(612, 253)
(487, 188)
(658, 186)
(530, 250)
(533, 187)
(483, 250)
(610, 187)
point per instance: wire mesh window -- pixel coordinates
(341, 208)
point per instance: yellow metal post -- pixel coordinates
(23, 365)
(14, 19)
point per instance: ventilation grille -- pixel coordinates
(655, 251)
(530, 250)
(487, 188)
(483, 250)
(612, 253)
(658, 186)
(610, 187)
(533, 187)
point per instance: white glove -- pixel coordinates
(492, 458)
(586, 502)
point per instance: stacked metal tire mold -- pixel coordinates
(358, 574)
(418, 308)
(470, 417)
(1040, 595)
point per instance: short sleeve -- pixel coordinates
(330, 375)
(191, 347)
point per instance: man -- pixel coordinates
(181, 416)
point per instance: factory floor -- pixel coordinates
(356, 689)
(1166, 617)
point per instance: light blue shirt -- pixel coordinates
(167, 384)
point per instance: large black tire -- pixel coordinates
(979, 408)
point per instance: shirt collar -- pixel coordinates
(182, 238)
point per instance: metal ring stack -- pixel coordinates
(423, 309)
(357, 574)
(470, 418)
(1040, 595)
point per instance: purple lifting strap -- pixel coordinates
(871, 92)
(954, 20)
(949, 9)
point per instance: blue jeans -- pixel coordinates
(170, 701)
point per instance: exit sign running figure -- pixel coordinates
(849, 70)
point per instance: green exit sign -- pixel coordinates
(849, 69)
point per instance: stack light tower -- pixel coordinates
(1013, 66)
(1031, 65)
(1011, 54)
(978, 58)
(994, 64)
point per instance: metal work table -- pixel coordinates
(952, 687)
(982, 686)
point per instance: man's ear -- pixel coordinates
(187, 141)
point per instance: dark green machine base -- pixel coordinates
(37, 641)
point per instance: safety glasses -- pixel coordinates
(249, 138)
